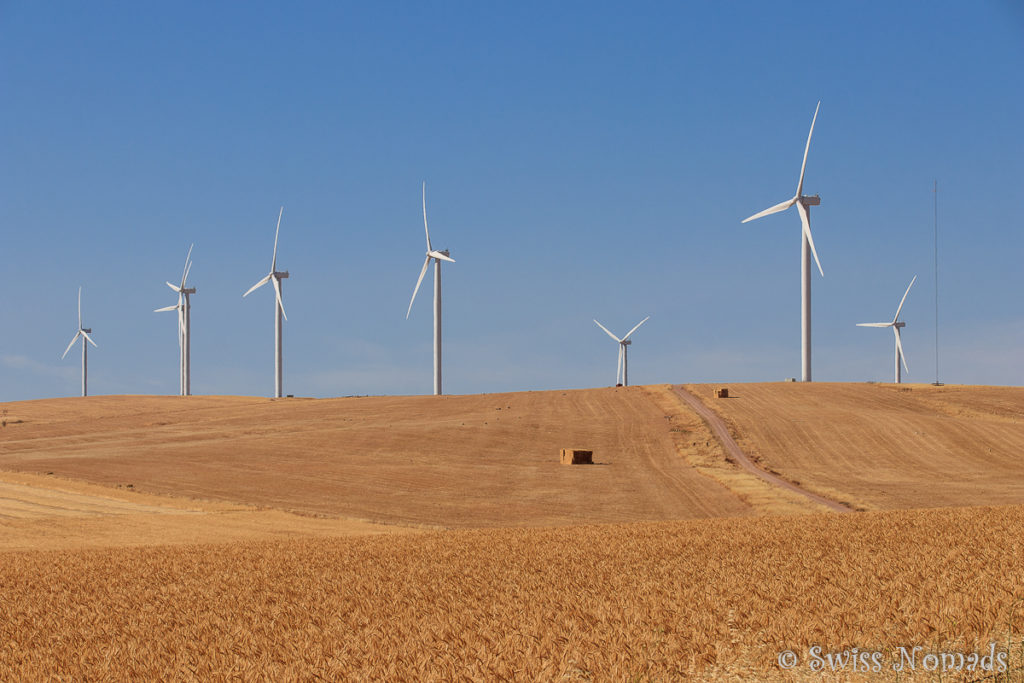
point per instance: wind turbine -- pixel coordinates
(622, 367)
(437, 256)
(184, 309)
(803, 205)
(275, 276)
(896, 325)
(82, 332)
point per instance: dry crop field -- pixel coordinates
(647, 601)
(45, 513)
(884, 446)
(454, 461)
(218, 538)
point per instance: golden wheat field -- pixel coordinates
(229, 538)
(645, 601)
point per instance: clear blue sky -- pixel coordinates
(583, 160)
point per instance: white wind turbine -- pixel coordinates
(437, 256)
(82, 332)
(896, 325)
(622, 367)
(803, 204)
(184, 309)
(275, 276)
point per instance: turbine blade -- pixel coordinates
(165, 309)
(188, 270)
(904, 299)
(174, 287)
(429, 248)
(426, 264)
(607, 332)
(618, 366)
(184, 271)
(803, 167)
(874, 324)
(273, 262)
(72, 343)
(781, 206)
(89, 339)
(635, 328)
(805, 218)
(899, 347)
(79, 308)
(256, 286)
(277, 291)
(440, 256)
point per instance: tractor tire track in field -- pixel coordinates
(721, 432)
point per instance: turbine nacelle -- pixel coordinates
(441, 255)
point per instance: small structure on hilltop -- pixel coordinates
(722, 392)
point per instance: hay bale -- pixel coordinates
(722, 392)
(577, 456)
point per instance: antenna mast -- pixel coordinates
(935, 190)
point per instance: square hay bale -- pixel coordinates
(722, 392)
(577, 456)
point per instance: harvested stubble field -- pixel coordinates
(453, 461)
(46, 513)
(691, 599)
(225, 583)
(883, 446)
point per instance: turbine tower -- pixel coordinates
(184, 309)
(437, 256)
(622, 367)
(82, 332)
(803, 205)
(275, 276)
(896, 325)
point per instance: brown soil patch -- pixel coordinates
(883, 446)
(455, 461)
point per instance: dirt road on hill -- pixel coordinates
(883, 446)
(722, 434)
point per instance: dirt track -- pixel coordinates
(721, 432)
(454, 461)
(883, 446)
